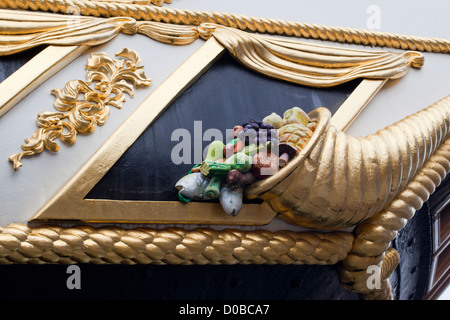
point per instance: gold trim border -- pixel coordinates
(361, 96)
(237, 21)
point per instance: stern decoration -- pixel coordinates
(313, 174)
(335, 181)
(258, 150)
(309, 172)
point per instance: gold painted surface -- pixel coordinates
(310, 64)
(338, 181)
(70, 203)
(237, 21)
(355, 103)
(22, 30)
(85, 244)
(294, 61)
(112, 78)
(298, 62)
(154, 212)
(141, 2)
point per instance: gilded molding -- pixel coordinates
(85, 244)
(294, 61)
(22, 30)
(339, 181)
(373, 237)
(35, 72)
(111, 79)
(261, 25)
(310, 64)
(141, 2)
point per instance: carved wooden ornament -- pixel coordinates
(373, 185)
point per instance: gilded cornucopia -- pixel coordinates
(338, 181)
(330, 180)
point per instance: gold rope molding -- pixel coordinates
(373, 237)
(21, 244)
(338, 181)
(262, 25)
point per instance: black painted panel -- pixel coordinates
(226, 95)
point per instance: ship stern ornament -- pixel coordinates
(345, 197)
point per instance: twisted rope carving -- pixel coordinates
(338, 181)
(372, 238)
(261, 25)
(85, 244)
(388, 265)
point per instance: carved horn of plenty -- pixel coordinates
(338, 181)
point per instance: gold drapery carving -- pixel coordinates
(299, 62)
(237, 21)
(22, 30)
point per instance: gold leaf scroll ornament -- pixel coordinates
(111, 78)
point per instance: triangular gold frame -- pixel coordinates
(69, 203)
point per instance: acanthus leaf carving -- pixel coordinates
(111, 78)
